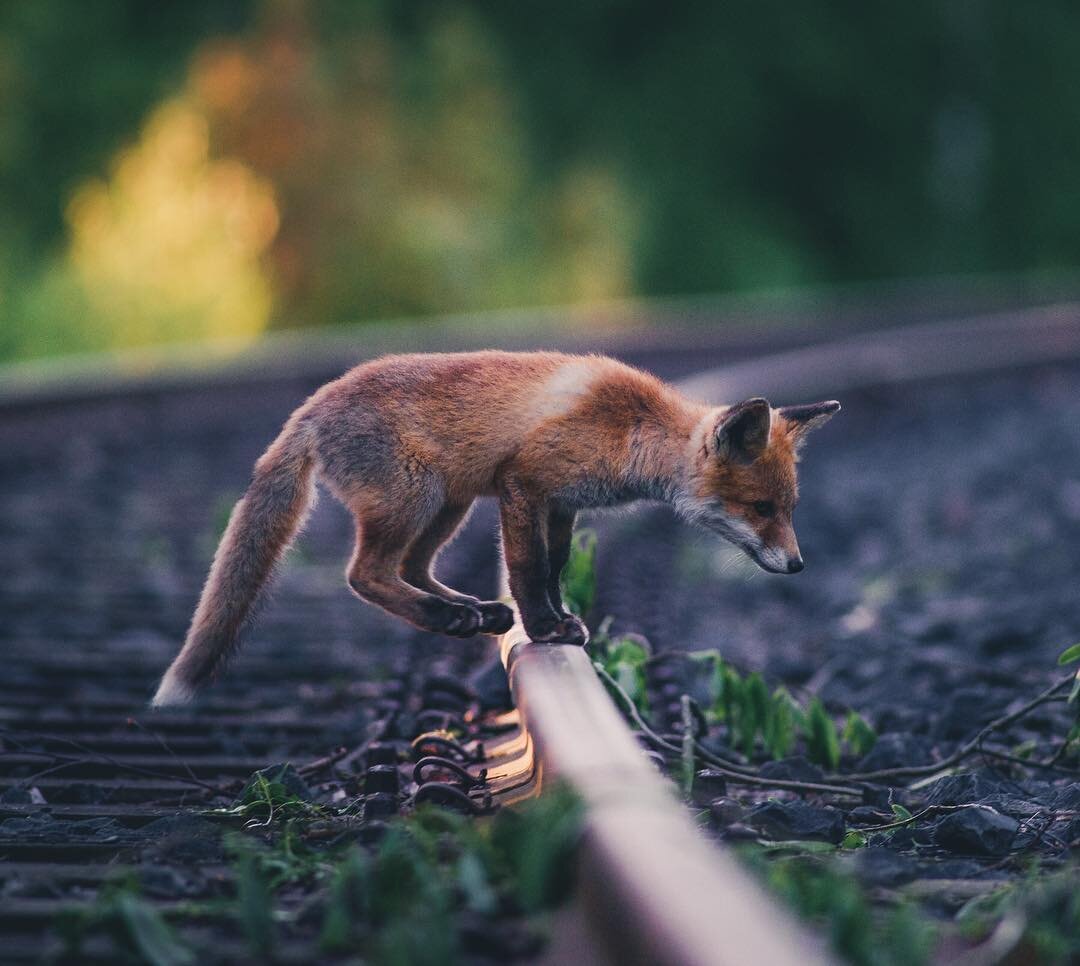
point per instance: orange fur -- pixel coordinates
(408, 442)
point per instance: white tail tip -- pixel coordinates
(171, 692)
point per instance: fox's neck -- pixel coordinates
(664, 451)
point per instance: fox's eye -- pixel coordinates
(765, 508)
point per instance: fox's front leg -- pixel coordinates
(560, 534)
(524, 526)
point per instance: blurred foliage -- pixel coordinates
(214, 167)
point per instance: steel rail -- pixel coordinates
(653, 888)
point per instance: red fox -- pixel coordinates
(408, 442)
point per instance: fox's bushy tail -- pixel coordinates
(261, 526)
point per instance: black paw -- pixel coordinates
(452, 619)
(568, 630)
(465, 621)
(495, 618)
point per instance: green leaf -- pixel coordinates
(853, 840)
(780, 726)
(901, 813)
(150, 933)
(578, 579)
(1075, 692)
(730, 695)
(746, 721)
(1069, 655)
(822, 742)
(858, 735)
(254, 905)
(348, 904)
(759, 698)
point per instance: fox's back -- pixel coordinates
(460, 415)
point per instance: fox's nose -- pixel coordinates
(795, 564)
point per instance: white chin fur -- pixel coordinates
(171, 692)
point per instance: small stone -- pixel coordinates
(978, 830)
(897, 749)
(875, 866)
(963, 789)
(869, 815)
(796, 768)
(797, 820)
(1067, 799)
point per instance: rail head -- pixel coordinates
(654, 888)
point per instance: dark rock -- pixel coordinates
(877, 796)
(726, 811)
(87, 793)
(904, 838)
(1019, 636)
(492, 686)
(900, 719)
(951, 869)
(183, 838)
(966, 711)
(738, 832)
(875, 866)
(869, 815)
(1067, 799)
(797, 820)
(979, 830)
(166, 882)
(962, 789)
(22, 796)
(795, 769)
(897, 750)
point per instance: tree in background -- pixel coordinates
(366, 159)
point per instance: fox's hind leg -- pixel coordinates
(383, 536)
(495, 618)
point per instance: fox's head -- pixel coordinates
(743, 482)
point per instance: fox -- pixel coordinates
(408, 443)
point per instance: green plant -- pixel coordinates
(401, 903)
(578, 579)
(254, 905)
(822, 741)
(778, 721)
(1036, 920)
(832, 898)
(267, 798)
(136, 927)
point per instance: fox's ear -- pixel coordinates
(743, 431)
(802, 419)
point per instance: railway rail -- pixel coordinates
(113, 781)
